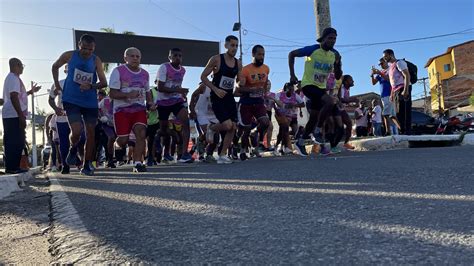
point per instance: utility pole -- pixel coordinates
(240, 33)
(34, 155)
(323, 16)
(439, 94)
(238, 27)
(425, 104)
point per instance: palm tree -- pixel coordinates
(111, 30)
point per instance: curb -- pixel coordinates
(403, 141)
(12, 183)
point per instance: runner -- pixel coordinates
(286, 115)
(129, 87)
(171, 99)
(321, 60)
(79, 96)
(62, 125)
(152, 128)
(201, 110)
(106, 113)
(344, 100)
(225, 68)
(252, 89)
(269, 100)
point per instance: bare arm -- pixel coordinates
(62, 60)
(211, 66)
(116, 94)
(374, 80)
(291, 65)
(101, 75)
(164, 89)
(195, 97)
(406, 75)
(338, 66)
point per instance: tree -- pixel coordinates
(111, 30)
(471, 99)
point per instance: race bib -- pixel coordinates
(141, 96)
(82, 77)
(320, 78)
(256, 94)
(227, 83)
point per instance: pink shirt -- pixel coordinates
(173, 78)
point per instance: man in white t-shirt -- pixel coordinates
(376, 116)
(360, 115)
(14, 112)
(201, 110)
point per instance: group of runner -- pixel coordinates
(134, 113)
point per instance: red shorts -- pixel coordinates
(124, 122)
(249, 111)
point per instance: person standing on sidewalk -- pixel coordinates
(14, 112)
(401, 89)
(390, 117)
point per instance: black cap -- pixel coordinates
(326, 32)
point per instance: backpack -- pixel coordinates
(413, 70)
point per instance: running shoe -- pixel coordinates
(243, 156)
(287, 150)
(210, 159)
(186, 158)
(65, 169)
(224, 160)
(139, 168)
(111, 164)
(300, 147)
(86, 170)
(168, 158)
(324, 151)
(318, 138)
(335, 150)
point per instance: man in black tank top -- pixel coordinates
(225, 68)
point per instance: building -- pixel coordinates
(451, 77)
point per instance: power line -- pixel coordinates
(33, 24)
(181, 19)
(466, 31)
(272, 37)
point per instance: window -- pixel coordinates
(447, 67)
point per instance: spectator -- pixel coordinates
(14, 114)
(361, 120)
(376, 115)
(389, 115)
(401, 89)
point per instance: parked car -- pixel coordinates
(423, 124)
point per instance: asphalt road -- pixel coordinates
(399, 206)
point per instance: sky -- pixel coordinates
(278, 25)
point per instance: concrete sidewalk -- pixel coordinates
(12, 183)
(403, 141)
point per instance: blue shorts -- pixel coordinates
(77, 114)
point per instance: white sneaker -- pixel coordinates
(286, 150)
(276, 152)
(210, 134)
(224, 160)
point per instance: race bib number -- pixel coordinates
(256, 94)
(320, 78)
(82, 77)
(141, 96)
(227, 83)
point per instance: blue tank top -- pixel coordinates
(80, 71)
